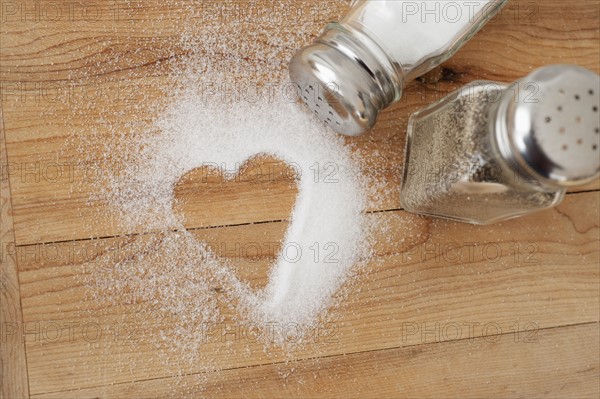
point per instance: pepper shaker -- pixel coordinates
(490, 152)
(358, 66)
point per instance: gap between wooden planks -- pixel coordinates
(559, 288)
(472, 368)
(48, 211)
(565, 34)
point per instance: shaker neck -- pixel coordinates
(350, 40)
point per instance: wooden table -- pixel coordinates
(419, 323)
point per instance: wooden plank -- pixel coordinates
(425, 271)
(39, 127)
(13, 365)
(559, 363)
(416, 280)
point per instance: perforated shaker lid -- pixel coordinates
(345, 78)
(554, 129)
(336, 88)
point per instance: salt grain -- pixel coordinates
(326, 237)
(197, 125)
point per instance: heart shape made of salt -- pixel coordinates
(328, 212)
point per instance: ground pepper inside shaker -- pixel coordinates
(491, 152)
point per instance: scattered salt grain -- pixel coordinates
(327, 233)
(199, 124)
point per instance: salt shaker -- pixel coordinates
(490, 152)
(358, 66)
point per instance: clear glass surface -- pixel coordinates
(420, 35)
(453, 168)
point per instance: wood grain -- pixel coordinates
(409, 284)
(13, 365)
(68, 85)
(560, 363)
(47, 141)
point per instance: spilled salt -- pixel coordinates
(326, 237)
(209, 113)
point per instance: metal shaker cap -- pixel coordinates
(552, 130)
(345, 79)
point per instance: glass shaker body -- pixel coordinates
(359, 66)
(418, 36)
(453, 167)
(490, 152)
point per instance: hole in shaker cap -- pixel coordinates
(548, 119)
(577, 97)
(562, 130)
(591, 92)
(579, 141)
(559, 108)
(565, 147)
(578, 119)
(595, 147)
